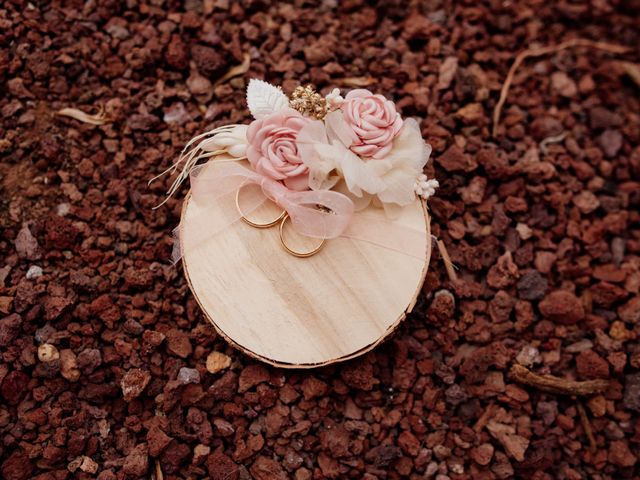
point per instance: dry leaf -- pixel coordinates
(357, 82)
(264, 99)
(633, 70)
(237, 70)
(98, 119)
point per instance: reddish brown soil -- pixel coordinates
(542, 220)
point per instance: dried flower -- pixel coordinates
(308, 102)
(334, 99)
(425, 188)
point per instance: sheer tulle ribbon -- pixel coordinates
(216, 183)
(319, 214)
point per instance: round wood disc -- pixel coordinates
(303, 312)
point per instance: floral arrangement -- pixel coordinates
(358, 145)
(332, 154)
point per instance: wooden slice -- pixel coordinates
(303, 312)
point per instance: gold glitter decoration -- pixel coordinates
(308, 102)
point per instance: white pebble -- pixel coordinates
(580, 346)
(48, 353)
(63, 209)
(528, 356)
(34, 272)
(188, 375)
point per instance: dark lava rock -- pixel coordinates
(267, 469)
(591, 365)
(208, 60)
(177, 54)
(143, 122)
(545, 126)
(251, 376)
(173, 456)
(600, 117)
(16, 466)
(221, 467)
(9, 329)
(136, 463)
(611, 142)
(358, 374)
(532, 286)
(455, 160)
(631, 400)
(134, 382)
(14, 387)
(383, 455)
(178, 343)
(157, 441)
(60, 233)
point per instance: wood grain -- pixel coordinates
(303, 312)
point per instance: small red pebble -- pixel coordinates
(14, 387)
(136, 463)
(157, 440)
(590, 365)
(482, 454)
(178, 343)
(17, 466)
(251, 376)
(563, 307)
(313, 388)
(134, 382)
(455, 160)
(359, 375)
(221, 467)
(619, 454)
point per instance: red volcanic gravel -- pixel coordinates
(108, 369)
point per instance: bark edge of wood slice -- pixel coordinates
(303, 312)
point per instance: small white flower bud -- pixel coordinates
(334, 99)
(425, 188)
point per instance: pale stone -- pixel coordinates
(48, 353)
(217, 361)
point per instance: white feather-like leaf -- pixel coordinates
(264, 99)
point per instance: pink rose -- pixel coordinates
(373, 120)
(272, 149)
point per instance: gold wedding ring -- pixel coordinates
(290, 250)
(282, 216)
(282, 219)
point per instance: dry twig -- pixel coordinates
(447, 261)
(586, 426)
(356, 82)
(553, 139)
(99, 118)
(557, 385)
(237, 70)
(633, 70)
(485, 417)
(539, 52)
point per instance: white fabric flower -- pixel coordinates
(323, 146)
(334, 99)
(232, 141)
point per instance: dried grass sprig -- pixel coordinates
(538, 52)
(99, 118)
(191, 154)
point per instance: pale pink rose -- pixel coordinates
(374, 123)
(272, 149)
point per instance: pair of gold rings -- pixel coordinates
(282, 220)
